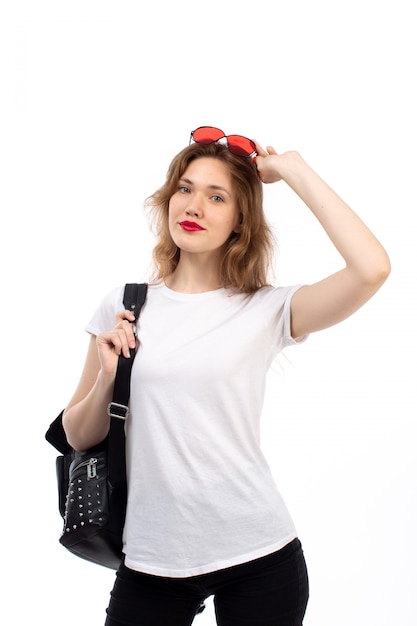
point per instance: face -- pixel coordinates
(203, 211)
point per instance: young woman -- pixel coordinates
(204, 516)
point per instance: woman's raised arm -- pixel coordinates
(367, 265)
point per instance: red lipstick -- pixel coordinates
(191, 226)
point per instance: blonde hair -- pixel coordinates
(248, 255)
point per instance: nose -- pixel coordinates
(192, 212)
(194, 208)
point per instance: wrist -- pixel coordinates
(297, 173)
(105, 379)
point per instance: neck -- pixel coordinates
(194, 275)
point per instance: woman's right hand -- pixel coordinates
(117, 341)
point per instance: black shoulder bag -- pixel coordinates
(92, 488)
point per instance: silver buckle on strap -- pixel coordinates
(120, 411)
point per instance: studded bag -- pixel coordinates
(92, 491)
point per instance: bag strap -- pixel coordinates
(134, 299)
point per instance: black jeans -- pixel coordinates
(270, 591)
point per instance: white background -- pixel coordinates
(96, 99)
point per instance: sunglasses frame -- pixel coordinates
(251, 155)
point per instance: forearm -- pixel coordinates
(86, 422)
(360, 249)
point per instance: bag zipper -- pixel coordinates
(91, 465)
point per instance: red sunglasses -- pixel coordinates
(241, 146)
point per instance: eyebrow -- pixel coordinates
(213, 187)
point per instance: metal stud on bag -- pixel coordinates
(77, 500)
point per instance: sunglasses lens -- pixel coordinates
(207, 134)
(241, 146)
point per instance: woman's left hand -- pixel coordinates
(271, 165)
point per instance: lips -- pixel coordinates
(190, 226)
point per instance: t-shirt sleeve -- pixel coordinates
(104, 318)
(288, 339)
(276, 304)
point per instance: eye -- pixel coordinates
(217, 198)
(183, 189)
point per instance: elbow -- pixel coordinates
(71, 435)
(375, 276)
(79, 442)
(383, 271)
(76, 444)
(83, 434)
(77, 438)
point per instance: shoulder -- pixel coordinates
(276, 297)
(112, 302)
(104, 316)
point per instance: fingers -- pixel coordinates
(125, 330)
(261, 152)
(120, 340)
(263, 163)
(111, 345)
(125, 315)
(264, 152)
(125, 321)
(267, 163)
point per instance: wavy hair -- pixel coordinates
(248, 255)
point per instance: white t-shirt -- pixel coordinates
(201, 495)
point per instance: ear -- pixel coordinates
(238, 227)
